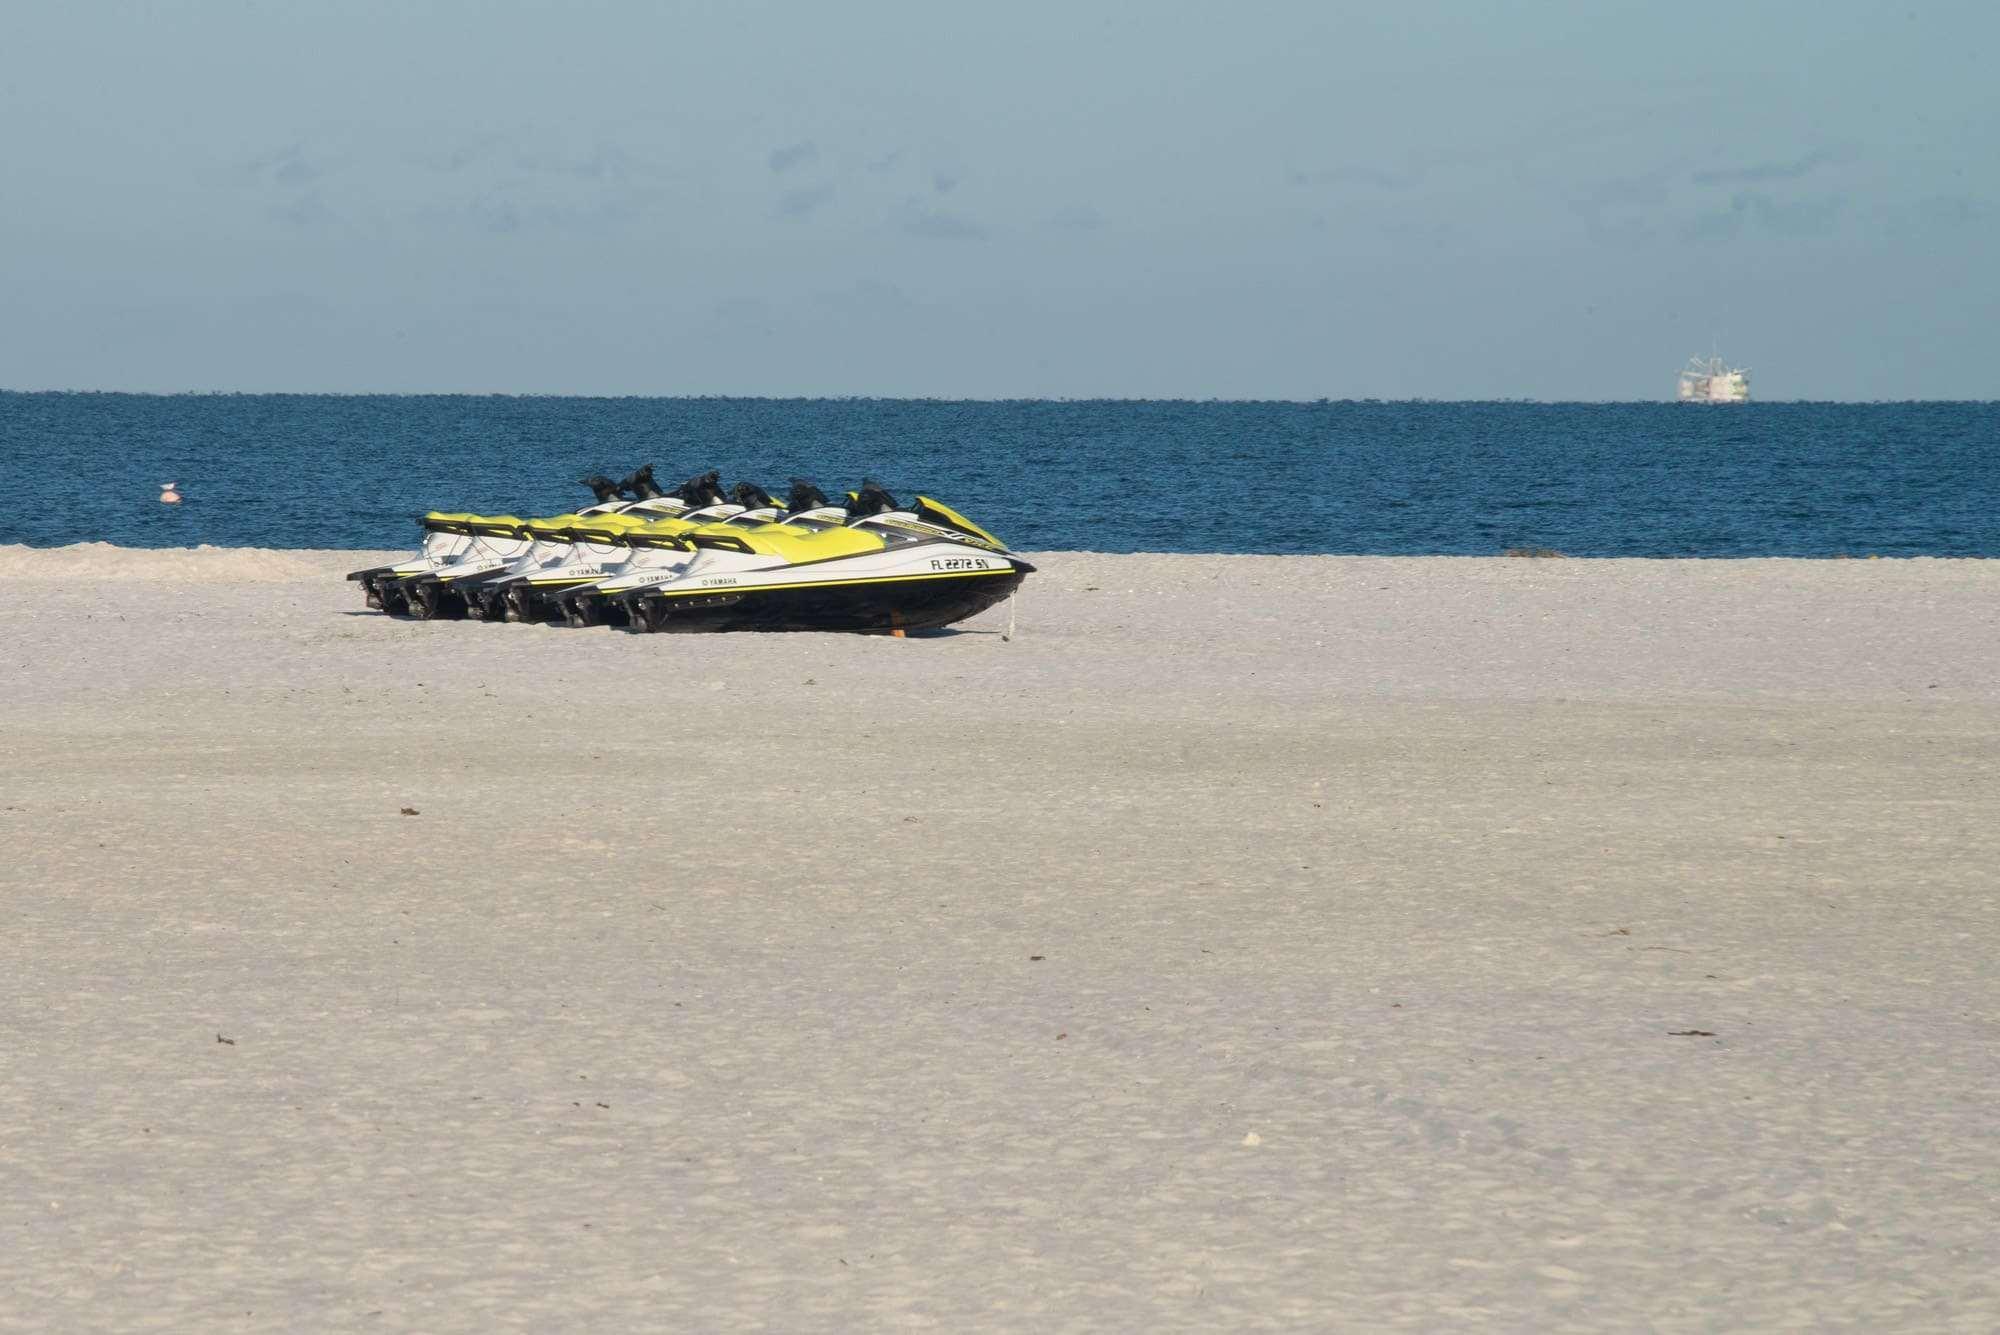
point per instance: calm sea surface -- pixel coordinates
(1777, 479)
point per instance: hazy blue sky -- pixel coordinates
(1290, 199)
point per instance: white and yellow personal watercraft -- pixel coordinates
(690, 560)
(467, 560)
(657, 553)
(886, 568)
(583, 550)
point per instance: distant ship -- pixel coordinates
(1708, 380)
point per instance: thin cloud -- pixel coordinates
(868, 298)
(797, 205)
(527, 205)
(495, 213)
(453, 158)
(802, 154)
(740, 315)
(1621, 210)
(308, 210)
(1375, 177)
(1938, 218)
(1763, 173)
(288, 166)
(496, 182)
(604, 162)
(1647, 191)
(514, 152)
(1077, 218)
(939, 225)
(1750, 209)
(1956, 211)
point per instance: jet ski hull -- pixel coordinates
(878, 604)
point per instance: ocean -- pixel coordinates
(1402, 478)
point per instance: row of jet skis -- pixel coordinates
(695, 558)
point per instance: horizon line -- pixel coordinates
(934, 398)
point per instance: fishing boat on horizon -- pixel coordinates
(1710, 380)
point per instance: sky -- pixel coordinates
(1292, 199)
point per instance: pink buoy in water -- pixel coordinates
(168, 496)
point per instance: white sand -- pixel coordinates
(701, 995)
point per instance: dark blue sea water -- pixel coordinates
(1779, 479)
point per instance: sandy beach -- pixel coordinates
(1246, 943)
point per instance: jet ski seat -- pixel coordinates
(491, 526)
(560, 527)
(790, 543)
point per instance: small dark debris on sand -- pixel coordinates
(1690, 1033)
(411, 811)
